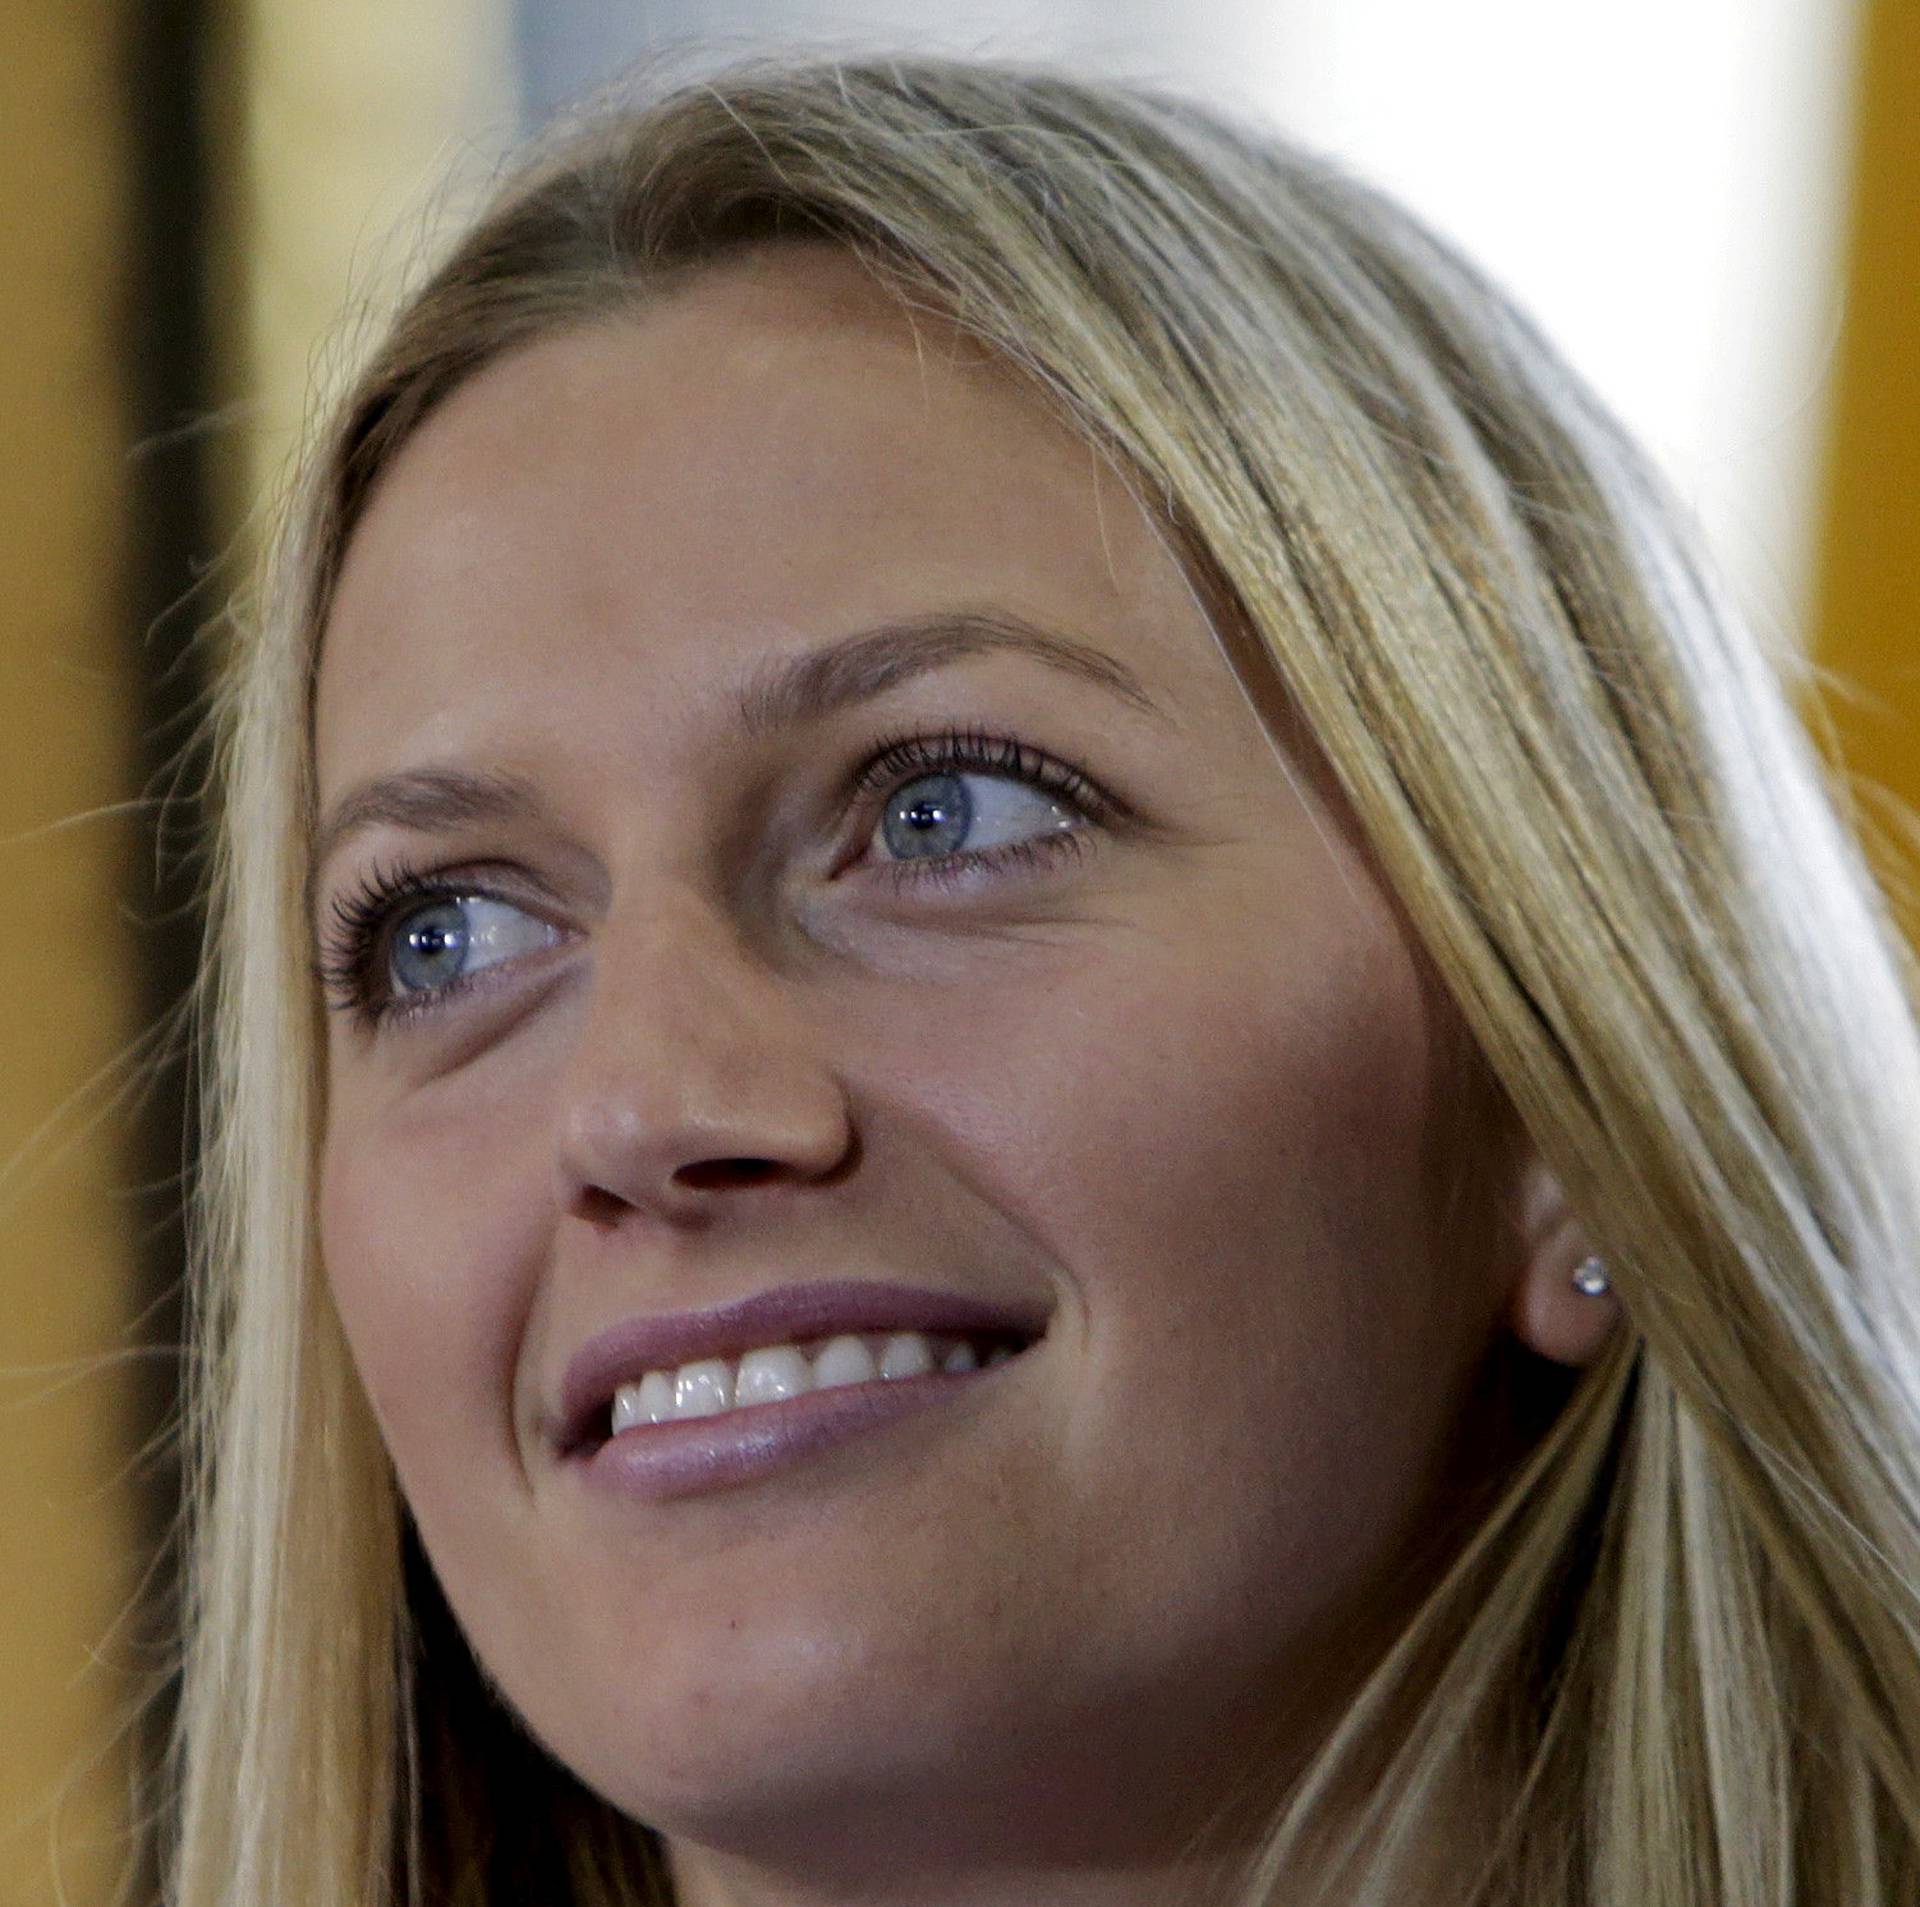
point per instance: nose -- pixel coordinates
(693, 1072)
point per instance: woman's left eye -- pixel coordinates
(948, 813)
(967, 800)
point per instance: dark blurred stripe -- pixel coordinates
(171, 591)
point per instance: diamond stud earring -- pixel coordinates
(1590, 1277)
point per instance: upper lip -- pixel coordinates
(626, 1351)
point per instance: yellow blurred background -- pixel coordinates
(195, 190)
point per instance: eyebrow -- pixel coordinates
(786, 693)
(806, 688)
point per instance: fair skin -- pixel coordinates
(1184, 1090)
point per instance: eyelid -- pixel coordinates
(982, 751)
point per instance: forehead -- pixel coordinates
(770, 454)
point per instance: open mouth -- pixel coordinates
(775, 1373)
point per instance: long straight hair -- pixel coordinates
(1682, 1651)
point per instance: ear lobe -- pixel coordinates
(1546, 1310)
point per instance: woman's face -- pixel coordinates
(735, 977)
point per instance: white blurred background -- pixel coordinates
(1661, 182)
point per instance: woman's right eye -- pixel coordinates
(432, 948)
(398, 949)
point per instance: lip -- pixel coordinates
(626, 1351)
(656, 1462)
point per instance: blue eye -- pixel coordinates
(937, 815)
(454, 936)
(400, 942)
(966, 805)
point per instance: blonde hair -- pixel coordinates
(1683, 1650)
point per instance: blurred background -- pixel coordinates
(1714, 205)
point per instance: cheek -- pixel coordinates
(426, 1205)
(1190, 1113)
(1223, 1140)
(1252, 1183)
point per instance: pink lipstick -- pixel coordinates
(733, 1442)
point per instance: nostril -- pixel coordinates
(598, 1206)
(709, 1175)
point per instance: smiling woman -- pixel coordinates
(1108, 1117)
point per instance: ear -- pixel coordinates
(1546, 1310)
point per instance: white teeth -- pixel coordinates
(709, 1386)
(905, 1355)
(648, 1402)
(781, 1370)
(704, 1389)
(843, 1361)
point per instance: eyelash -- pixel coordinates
(352, 942)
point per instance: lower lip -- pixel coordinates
(655, 1462)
